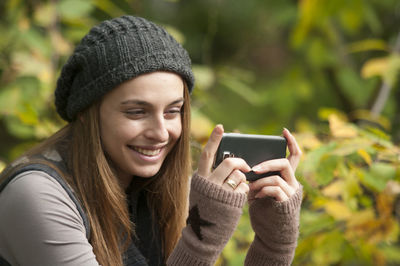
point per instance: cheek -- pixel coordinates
(176, 130)
(113, 132)
(117, 132)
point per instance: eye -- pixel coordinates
(135, 112)
(173, 112)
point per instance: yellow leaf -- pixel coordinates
(360, 218)
(341, 129)
(61, 45)
(393, 67)
(337, 210)
(333, 190)
(364, 154)
(175, 33)
(45, 14)
(46, 75)
(201, 126)
(384, 204)
(372, 230)
(375, 67)
(28, 116)
(350, 146)
(307, 12)
(46, 128)
(24, 24)
(205, 77)
(2, 166)
(361, 225)
(30, 64)
(368, 45)
(324, 113)
(307, 140)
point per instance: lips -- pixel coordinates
(146, 152)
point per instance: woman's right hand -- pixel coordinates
(230, 173)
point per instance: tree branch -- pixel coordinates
(385, 89)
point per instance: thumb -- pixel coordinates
(207, 156)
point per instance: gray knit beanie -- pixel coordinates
(112, 52)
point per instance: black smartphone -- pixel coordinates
(254, 149)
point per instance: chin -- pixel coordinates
(147, 173)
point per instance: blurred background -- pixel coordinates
(327, 70)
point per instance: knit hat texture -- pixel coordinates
(112, 52)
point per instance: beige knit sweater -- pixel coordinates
(213, 217)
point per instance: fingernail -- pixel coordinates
(285, 129)
(256, 168)
(219, 128)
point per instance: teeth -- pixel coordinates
(147, 152)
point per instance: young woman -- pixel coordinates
(113, 186)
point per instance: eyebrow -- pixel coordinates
(144, 103)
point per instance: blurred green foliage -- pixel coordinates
(351, 210)
(327, 70)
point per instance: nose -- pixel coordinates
(157, 129)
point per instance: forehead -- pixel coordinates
(150, 87)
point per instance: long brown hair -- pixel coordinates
(96, 185)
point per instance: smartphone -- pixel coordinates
(254, 149)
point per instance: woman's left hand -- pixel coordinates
(279, 187)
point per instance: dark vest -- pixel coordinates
(145, 248)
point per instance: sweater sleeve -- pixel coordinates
(276, 225)
(40, 224)
(213, 216)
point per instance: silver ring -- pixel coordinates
(231, 183)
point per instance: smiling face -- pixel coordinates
(140, 122)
